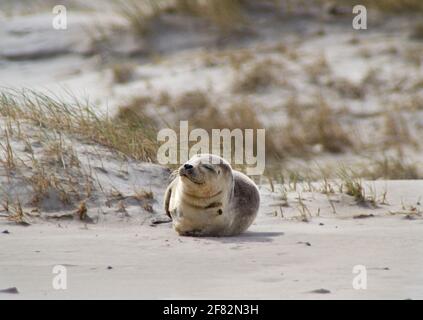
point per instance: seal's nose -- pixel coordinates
(188, 166)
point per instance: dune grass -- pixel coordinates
(38, 154)
(224, 15)
(394, 6)
(135, 139)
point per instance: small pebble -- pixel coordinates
(13, 290)
(6, 232)
(321, 291)
(308, 244)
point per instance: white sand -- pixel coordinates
(270, 261)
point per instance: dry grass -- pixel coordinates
(57, 153)
(202, 112)
(82, 211)
(258, 78)
(53, 174)
(132, 114)
(310, 126)
(413, 56)
(391, 168)
(62, 179)
(390, 6)
(347, 88)
(372, 79)
(417, 32)
(351, 185)
(123, 72)
(240, 115)
(304, 212)
(397, 131)
(41, 172)
(139, 14)
(53, 178)
(318, 69)
(17, 214)
(9, 160)
(193, 101)
(164, 98)
(197, 107)
(397, 5)
(235, 57)
(226, 16)
(141, 197)
(135, 139)
(238, 58)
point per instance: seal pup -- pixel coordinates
(208, 198)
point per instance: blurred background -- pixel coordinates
(328, 96)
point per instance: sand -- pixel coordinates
(278, 258)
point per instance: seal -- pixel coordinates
(206, 197)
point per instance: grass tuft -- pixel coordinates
(135, 139)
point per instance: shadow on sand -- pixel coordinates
(249, 237)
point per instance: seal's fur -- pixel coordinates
(208, 198)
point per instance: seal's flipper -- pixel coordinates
(167, 196)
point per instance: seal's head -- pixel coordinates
(205, 175)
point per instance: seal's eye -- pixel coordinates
(209, 167)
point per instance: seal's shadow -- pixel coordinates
(250, 237)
